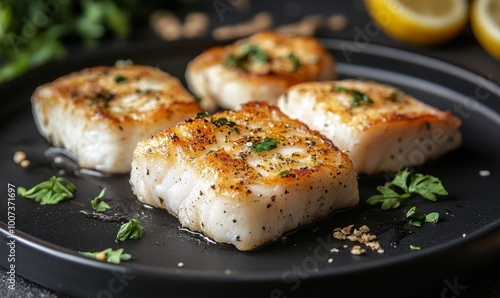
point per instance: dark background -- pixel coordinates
(463, 51)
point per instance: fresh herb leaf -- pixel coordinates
(225, 121)
(424, 185)
(284, 173)
(394, 95)
(414, 247)
(196, 98)
(233, 62)
(50, 192)
(266, 145)
(432, 217)
(98, 204)
(253, 53)
(249, 53)
(202, 114)
(295, 61)
(120, 79)
(416, 218)
(130, 230)
(427, 186)
(109, 255)
(357, 96)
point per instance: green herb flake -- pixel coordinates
(202, 115)
(415, 247)
(394, 95)
(295, 61)
(357, 98)
(424, 185)
(266, 145)
(109, 255)
(50, 192)
(233, 62)
(432, 217)
(98, 204)
(284, 173)
(248, 53)
(120, 79)
(415, 222)
(197, 99)
(130, 230)
(224, 121)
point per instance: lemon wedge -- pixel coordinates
(485, 22)
(422, 22)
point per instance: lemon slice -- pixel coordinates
(485, 21)
(422, 22)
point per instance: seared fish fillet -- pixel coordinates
(382, 128)
(260, 67)
(243, 177)
(101, 113)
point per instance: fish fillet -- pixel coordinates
(260, 67)
(382, 128)
(100, 113)
(209, 173)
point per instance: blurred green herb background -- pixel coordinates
(35, 32)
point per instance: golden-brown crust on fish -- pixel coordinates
(100, 113)
(284, 61)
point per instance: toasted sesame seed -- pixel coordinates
(180, 264)
(19, 156)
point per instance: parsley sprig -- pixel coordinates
(249, 53)
(130, 230)
(109, 255)
(295, 61)
(98, 204)
(50, 192)
(219, 121)
(266, 145)
(426, 186)
(357, 96)
(416, 218)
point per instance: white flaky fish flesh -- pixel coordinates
(243, 177)
(100, 113)
(382, 128)
(260, 67)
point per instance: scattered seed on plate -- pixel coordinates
(180, 264)
(484, 173)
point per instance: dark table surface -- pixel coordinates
(463, 51)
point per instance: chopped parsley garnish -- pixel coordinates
(219, 121)
(50, 192)
(249, 53)
(284, 173)
(416, 218)
(414, 247)
(196, 98)
(424, 185)
(295, 61)
(357, 96)
(98, 204)
(224, 121)
(202, 114)
(130, 230)
(103, 94)
(394, 95)
(266, 145)
(120, 79)
(109, 255)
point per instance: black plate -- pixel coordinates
(48, 238)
